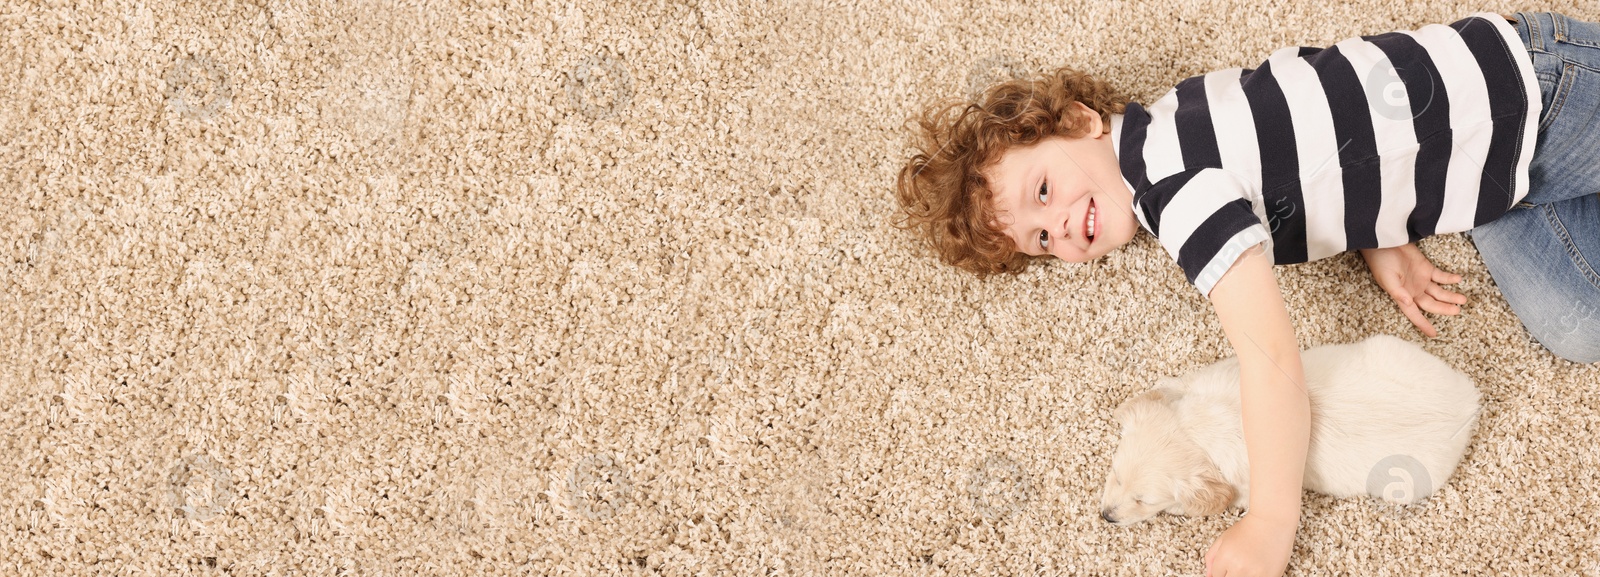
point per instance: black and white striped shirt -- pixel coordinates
(1374, 142)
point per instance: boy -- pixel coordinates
(1488, 125)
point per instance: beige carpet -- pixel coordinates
(374, 288)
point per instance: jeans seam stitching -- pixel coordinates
(1579, 43)
(1562, 36)
(1576, 256)
(1579, 65)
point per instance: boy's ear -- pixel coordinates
(1096, 126)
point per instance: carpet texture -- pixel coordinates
(393, 288)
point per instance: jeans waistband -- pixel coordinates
(1529, 25)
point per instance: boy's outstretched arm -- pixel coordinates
(1277, 419)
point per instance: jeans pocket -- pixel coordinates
(1547, 70)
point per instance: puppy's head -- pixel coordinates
(1158, 467)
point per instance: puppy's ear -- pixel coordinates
(1132, 407)
(1170, 388)
(1205, 494)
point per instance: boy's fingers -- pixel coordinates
(1445, 295)
(1440, 276)
(1438, 307)
(1412, 312)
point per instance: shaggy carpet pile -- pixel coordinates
(553, 288)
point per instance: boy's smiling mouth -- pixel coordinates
(1088, 224)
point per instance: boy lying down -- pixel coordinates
(1488, 126)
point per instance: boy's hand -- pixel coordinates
(1414, 283)
(1253, 547)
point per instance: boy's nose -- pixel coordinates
(1062, 229)
(1066, 222)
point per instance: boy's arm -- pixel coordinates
(1277, 417)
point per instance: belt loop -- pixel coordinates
(1535, 29)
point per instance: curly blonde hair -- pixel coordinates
(943, 190)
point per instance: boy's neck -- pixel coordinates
(1116, 135)
(1116, 146)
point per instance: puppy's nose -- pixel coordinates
(1105, 515)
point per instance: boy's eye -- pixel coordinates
(1044, 192)
(1044, 240)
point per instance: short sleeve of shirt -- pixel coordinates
(1205, 220)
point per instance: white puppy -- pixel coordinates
(1387, 419)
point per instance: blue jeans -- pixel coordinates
(1544, 251)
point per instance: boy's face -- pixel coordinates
(1064, 197)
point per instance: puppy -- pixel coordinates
(1387, 419)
